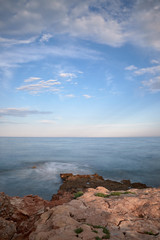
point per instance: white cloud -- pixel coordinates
(154, 61)
(143, 25)
(87, 96)
(96, 28)
(149, 70)
(70, 96)
(15, 56)
(31, 79)
(142, 71)
(45, 37)
(109, 22)
(20, 112)
(40, 86)
(153, 85)
(76, 18)
(65, 75)
(131, 68)
(10, 41)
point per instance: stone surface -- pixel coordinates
(74, 183)
(17, 215)
(128, 215)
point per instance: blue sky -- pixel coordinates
(88, 68)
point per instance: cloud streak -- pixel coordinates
(87, 96)
(152, 84)
(20, 112)
(40, 86)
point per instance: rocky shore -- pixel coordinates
(86, 207)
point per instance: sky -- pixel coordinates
(88, 68)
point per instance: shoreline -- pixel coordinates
(82, 202)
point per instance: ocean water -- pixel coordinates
(137, 159)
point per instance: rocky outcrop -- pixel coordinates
(74, 183)
(18, 215)
(120, 215)
(100, 213)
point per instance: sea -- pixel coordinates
(33, 165)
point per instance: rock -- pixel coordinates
(132, 215)
(74, 183)
(19, 214)
(7, 229)
(138, 185)
(65, 176)
(126, 182)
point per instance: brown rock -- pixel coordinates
(19, 214)
(121, 214)
(7, 229)
(74, 183)
(127, 216)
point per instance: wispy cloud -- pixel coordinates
(143, 24)
(154, 61)
(40, 86)
(31, 79)
(109, 22)
(87, 96)
(20, 112)
(149, 70)
(45, 37)
(142, 71)
(131, 68)
(11, 41)
(66, 75)
(15, 56)
(70, 96)
(152, 85)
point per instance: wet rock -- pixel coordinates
(74, 183)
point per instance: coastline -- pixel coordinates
(127, 210)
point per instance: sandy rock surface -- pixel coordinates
(100, 213)
(131, 216)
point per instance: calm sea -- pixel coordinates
(137, 159)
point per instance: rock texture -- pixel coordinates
(100, 213)
(74, 183)
(131, 216)
(18, 215)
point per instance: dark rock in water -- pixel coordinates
(65, 176)
(138, 185)
(72, 183)
(126, 182)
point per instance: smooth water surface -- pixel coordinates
(137, 159)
